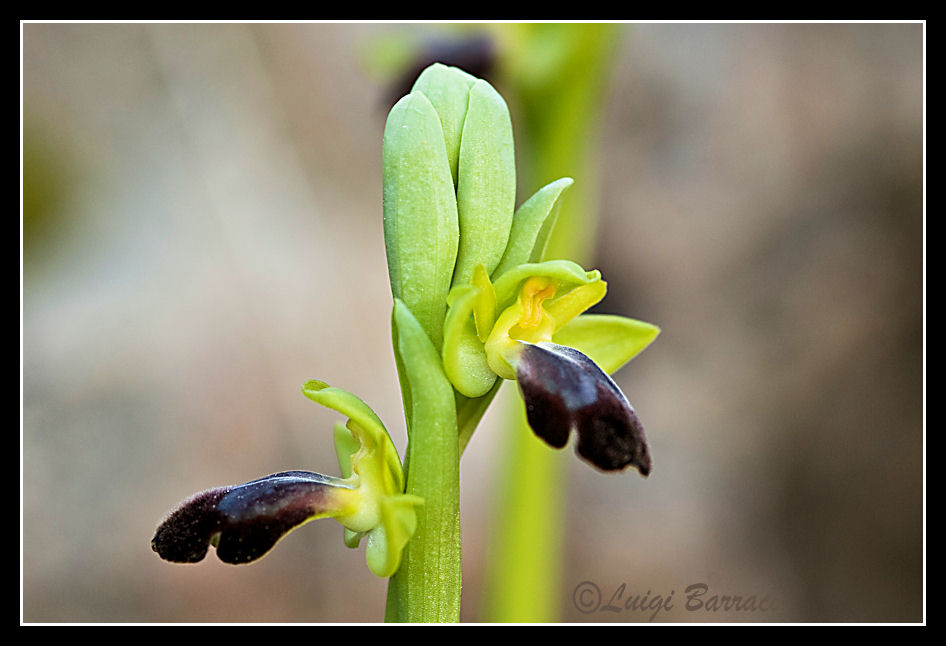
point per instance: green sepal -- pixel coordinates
(532, 224)
(364, 425)
(448, 89)
(421, 225)
(567, 273)
(608, 340)
(486, 182)
(464, 357)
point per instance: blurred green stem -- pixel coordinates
(555, 76)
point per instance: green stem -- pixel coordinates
(426, 588)
(524, 574)
(471, 411)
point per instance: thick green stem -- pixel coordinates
(426, 588)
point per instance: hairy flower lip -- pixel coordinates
(564, 390)
(245, 521)
(506, 329)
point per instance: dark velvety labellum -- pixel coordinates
(565, 390)
(244, 521)
(184, 536)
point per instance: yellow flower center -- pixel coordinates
(525, 320)
(535, 290)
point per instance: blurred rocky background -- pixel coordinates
(202, 234)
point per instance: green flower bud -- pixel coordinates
(486, 185)
(449, 189)
(421, 230)
(448, 89)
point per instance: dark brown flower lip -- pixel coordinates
(245, 521)
(564, 390)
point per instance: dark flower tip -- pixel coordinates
(565, 390)
(244, 521)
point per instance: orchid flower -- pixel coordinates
(529, 327)
(244, 522)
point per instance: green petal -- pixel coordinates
(421, 226)
(353, 538)
(484, 310)
(532, 224)
(610, 341)
(464, 357)
(486, 183)
(366, 423)
(346, 445)
(566, 272)
(387, 541)
(571, 304)
(448, 89)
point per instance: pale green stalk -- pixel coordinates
(555, 75)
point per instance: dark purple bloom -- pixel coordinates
(563, 391)
(245, 521)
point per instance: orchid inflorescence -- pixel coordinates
(475, 303)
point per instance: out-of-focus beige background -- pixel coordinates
(203, 234)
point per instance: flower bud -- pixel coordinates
(486, 184)
(421, 231)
